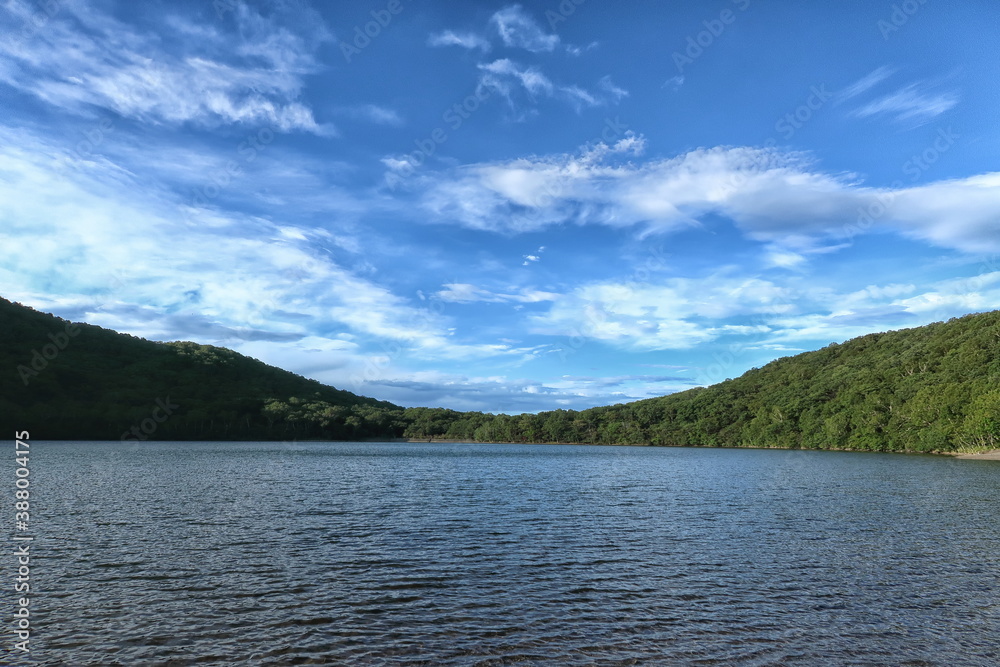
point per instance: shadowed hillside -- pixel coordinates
(61, 380)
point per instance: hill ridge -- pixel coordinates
(933, 388)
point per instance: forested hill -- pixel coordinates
(931, 388)
(61, 380)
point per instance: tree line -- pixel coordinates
(929, 389)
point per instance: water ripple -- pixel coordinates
(394, 554)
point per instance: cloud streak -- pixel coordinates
(84, 59)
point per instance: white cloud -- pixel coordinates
(788, 313)
(580, 50)
(867, 82)
(518, 30)
(674, 82)
(507, 78)
(373, 113)
(206, 77)
(959, 213)
(466, 293)
(537, 257)
(674, 314)
(614, 92)
(910, 104)
(467, 40)
(127, 260)
(772, 196)
(517, 395)
(530, 78)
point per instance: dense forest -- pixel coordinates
(62, 380)
(929, 389)
(934, 388)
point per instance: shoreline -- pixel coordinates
(993, 455)
(982, 456)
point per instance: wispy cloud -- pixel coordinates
(86, 59)
(910, 104)
(516, 395)
(674, 83)
(499, 74)
(867, 82)
(519, 30)
(466, 40)
(508, 79)
(125, 259)
(580, 50)
(374, 113)
(466, 293)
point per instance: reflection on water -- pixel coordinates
(349, 553)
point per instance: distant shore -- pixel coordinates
(980, 456)
(984, 456)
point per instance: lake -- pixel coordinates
(472, 554)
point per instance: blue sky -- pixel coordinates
(501, 207)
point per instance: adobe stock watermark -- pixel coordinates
(454, 117)
(900, 16)
(988, 266)
(914, 167)
(92, 139)
(162, 412)
(363, 36)
(724, 361)
(40, 359)
(552, 189)
(655, 261)
(795, 120)
(375, 365)
(222, 7)
(787, 125)
(22, 548)
(222, 178)
(36, 22)
(561, 13)
(699, 42)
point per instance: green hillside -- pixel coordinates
(62, 381)
(931, 388)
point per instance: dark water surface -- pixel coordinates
(429, 554)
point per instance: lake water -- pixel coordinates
(432, 554)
